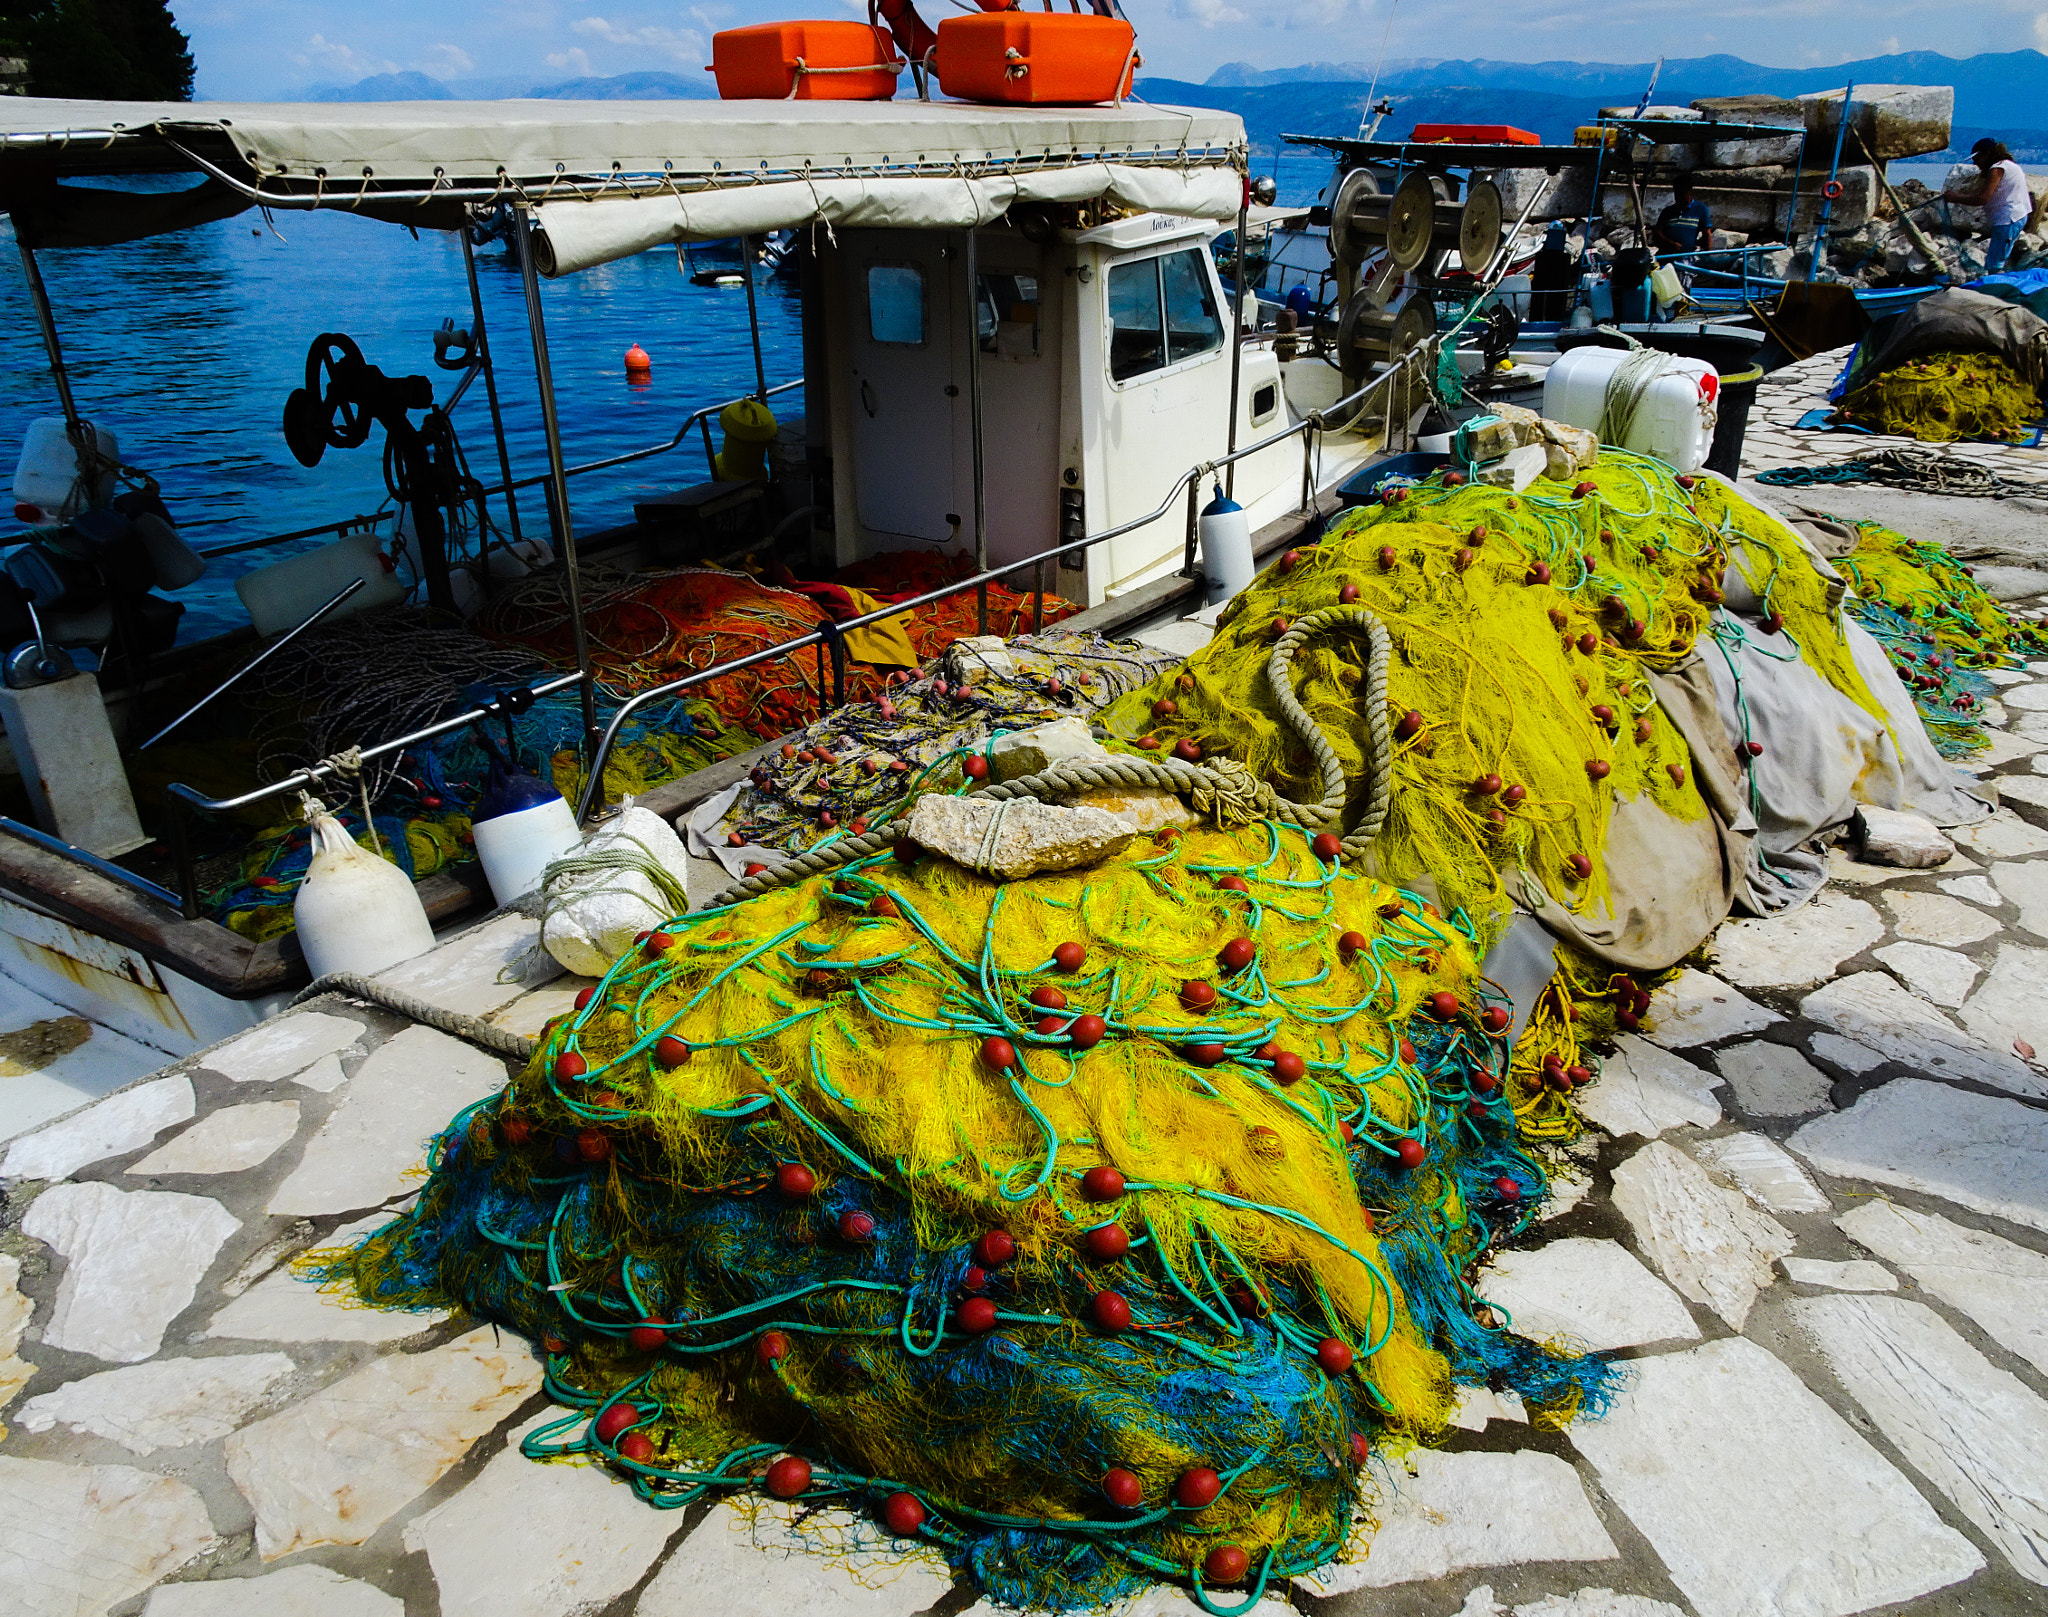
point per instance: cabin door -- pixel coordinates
(908, 407)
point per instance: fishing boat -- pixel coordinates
(1017, 351)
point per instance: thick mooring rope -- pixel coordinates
(1220, 787)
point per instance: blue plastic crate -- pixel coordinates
(1363, 486)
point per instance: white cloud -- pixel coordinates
(1208, 13)
(446, 58)
(1324, 14)
(331, 56)
(675, 44)
(2041, 28)
(575, 60)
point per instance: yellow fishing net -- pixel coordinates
(1946, 398)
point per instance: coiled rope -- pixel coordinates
(1220, 788)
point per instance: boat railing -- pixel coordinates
(828, 638)
(698, 421)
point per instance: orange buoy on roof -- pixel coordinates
(1036, 58)
(831, 60)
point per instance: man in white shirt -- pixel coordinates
(2001, 191)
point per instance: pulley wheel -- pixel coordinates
(1479, 226)
(1411, 221)
(1369, 336)
(1352, 241)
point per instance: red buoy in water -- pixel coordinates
(639, 367)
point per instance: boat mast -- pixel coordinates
(974, 424)
(40, 297)
(483, 354)
(558, 470)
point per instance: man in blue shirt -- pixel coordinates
(1685, 226)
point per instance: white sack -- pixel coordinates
(591, 917)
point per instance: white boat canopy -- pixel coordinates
(608, 178)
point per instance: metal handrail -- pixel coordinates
(1307, 427)
(348, 525)
(181, 798)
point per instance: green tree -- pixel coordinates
(100, 50)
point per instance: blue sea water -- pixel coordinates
(187, 344)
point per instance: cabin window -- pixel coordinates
(1265, 403)
(896, 304)
(1006, 315)
(1161, 312)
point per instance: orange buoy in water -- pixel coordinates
(638, 365)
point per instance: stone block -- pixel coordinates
(111, 1127)
(165, 1404)
(76, 1540)
(1736, 1472)
(973, 658)
(2000, 1284)
(1017, 753)
(1149, 808)
(1757, 210)
(1891, 837)
(1877, 1013)
(1018, 837)
(1893, 120)
(1710, 1243)
(1592, 1295)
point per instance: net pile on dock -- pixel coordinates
(1940, 626)
(646, 629)
(1093, 1228)
(1526, 630)
(862, 765)
(1947, 398)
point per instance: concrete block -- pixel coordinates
(1895, 120)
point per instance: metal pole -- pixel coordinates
(974, 424)
(1827, 204)
(483, 354)
(1244, 210)
(753, 317)
(41, 299)
(551, 425)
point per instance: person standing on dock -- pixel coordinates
(2000, 189)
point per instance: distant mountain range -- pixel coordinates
(2002, 88)
(424, 87)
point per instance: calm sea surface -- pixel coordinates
(186, 346)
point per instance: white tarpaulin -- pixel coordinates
(581, 234)
(340, 147)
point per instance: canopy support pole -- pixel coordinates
(753, 318)
(558, 470)
(483, 354)
(40, 297)
(974, 425)
(1244, 212)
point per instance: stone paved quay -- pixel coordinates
(1813, 1215)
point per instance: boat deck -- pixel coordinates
(1812, 1213)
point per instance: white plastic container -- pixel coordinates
(46, 475)
(354, 911)
(285, 593)
(1226, 547)
(1674, 421)
(516, 848)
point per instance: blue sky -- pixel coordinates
(276, 48)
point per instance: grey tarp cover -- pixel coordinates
(612, 177)
(1954, 319)
(1823, 754)
(1670, 881)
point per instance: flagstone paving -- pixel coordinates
(1812, 1216)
